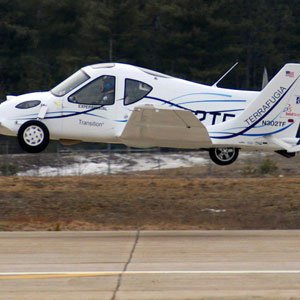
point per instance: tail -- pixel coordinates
(271, 119)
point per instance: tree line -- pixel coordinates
(44, 41)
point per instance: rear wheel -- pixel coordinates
(223, 156)
(33, 136)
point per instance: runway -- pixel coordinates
(149, 265)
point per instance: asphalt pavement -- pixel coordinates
(150, 265)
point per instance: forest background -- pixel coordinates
(44, 41)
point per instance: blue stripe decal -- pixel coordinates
(191, 94)
(75, 113)
(193, 111)
(171, 104)
(212, 101)
(271, 121)
(259, 120)
(68, 114)
(256, 134)
(93, 115)
(228, 110)
(121, 121)
(269, 133)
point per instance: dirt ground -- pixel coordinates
(184, 198)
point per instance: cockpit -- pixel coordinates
(101, 91)
(135, 90)
(70, 83)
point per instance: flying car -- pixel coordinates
(121, 103)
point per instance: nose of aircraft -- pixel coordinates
(6, 121)
(3, 129)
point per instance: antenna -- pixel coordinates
(215, 84)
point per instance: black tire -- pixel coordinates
(223, 156)
(33, 136)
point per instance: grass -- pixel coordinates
(148, 202)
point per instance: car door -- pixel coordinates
(88, 112)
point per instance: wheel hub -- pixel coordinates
(33, 135)
(225, 154)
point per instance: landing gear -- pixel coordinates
(33, 136)
(223, 156)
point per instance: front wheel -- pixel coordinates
(223, 156)
(33, 136)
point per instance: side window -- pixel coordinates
(135, 90)
(98, 92)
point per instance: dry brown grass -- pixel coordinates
(148, 202)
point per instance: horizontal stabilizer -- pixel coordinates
(153, 127)
(282, 144)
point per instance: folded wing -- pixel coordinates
(156, 127)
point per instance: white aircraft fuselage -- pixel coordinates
(120, 103)
(93, 122)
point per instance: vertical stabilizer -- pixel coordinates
(274, 113)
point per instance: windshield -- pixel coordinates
(70, 83)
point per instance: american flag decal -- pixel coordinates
(289, 74)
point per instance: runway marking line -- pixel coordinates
(45, 275)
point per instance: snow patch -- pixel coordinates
(118, 163)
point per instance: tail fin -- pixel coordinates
(274, 115)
